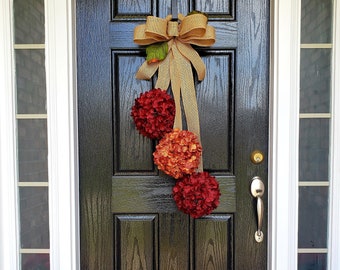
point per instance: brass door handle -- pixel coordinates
(257, 190)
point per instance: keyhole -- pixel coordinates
(256, 157)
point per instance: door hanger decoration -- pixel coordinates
(157, 115)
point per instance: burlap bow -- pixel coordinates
(176, 67)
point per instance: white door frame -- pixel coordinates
(62, 134)
(284, 127)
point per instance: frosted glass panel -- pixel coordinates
(312, 261)
(315, 80)
(35, 261)
(32, 152)
(313, 215)
(316, 21)
(34, 226)
(29, 21)
(313, 149)
(31, 81)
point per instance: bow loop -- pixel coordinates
(193, 25)
(153, 31)
(156, 27)
(205, 40)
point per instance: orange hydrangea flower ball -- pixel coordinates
(178, 153)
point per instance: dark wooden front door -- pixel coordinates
(128, 217)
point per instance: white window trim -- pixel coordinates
(62, 132)
(8, 190)
(334, 202)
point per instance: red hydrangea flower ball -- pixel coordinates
(154, 113)
(178, 153)
(197, 194)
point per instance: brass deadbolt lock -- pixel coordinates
(256, 157)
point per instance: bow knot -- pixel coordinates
(172, 29)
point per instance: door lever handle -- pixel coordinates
(257, 190)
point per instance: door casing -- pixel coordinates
(65, 243)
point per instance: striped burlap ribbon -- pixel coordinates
(176, 67)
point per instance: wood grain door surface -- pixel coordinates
(128, 217)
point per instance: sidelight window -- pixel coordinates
(316, 50)
(31, 122)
